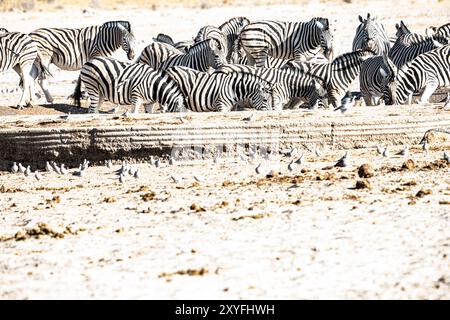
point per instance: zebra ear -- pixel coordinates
(430, 31)
(360, 19)
(320, 25)
(368, 16)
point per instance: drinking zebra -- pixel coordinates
(286, 40)
(370, 34)
(221, 92)
(107, 79)
(70, 49)
(157, 53)
(429, 70)
(18, 51)
(202, 56)
(290, 85)
(336, 75)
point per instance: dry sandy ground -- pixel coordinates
(237, 234)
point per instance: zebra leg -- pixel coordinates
(24, 83)
(95, 101)
(43, 83)
(429, 90)
(137, 102)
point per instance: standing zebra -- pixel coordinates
(231, 29)
(70, 49)
(289, 85)
(107, 79)
(338, 74)
(18, 51)
(201, 56)
(285, 40)
(429, 70)
(370, 34)
(221, 92)
(157, 53)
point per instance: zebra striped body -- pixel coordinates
(70, 49)
(18, 51)
(289, 85)
(338, 74)
(107, 79)
(221, 92)
(430, 70)
(285, 40)
(201, 56)
(409, 46)
(442, 31)
(370, 34)
(231, 29)
(156, 54)
(372, 80)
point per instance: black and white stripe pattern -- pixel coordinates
(231, 29)
(338, 74)
(107, 79)
(202, 56)
(18, 51)
(430, 70)
(70, 49)
(285, 40)
(155, 54)
(222, 92)
(210, 32)
(289, 85)
(370, 34)
(443, 31)
(181, 45)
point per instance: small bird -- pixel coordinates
(249, 118)
(291, 152)
(291, 166)
(386, 152)
(172, 161)
(404, 152)
(344, 161)
(137, 174)
(300, 160)
(66, 116)
(346, 103)
(258, 169)
(48, 167)
(56, 168)
(425, 146)
(109, 164)
(37, 175)
(79, 172)
(14, 168)
(151, 161)
(21, 168)
(28, 171)
(317, 152)
(126, 114)
(380, 150)
(85, 164)
(447, 156)
(199, 178)
(63, 169)
(157, 163)
(122, 178)
(447, 101)
(175, 179)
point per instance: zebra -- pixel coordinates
(443, 31)
(156, 54)
(201, 56)
(18, 51)
(370, 34)
(181, 45)
(70, 49)
(285, 40)
(221, 92)
(409, 46)
(231, 29)
(107, 79)
(429, 70)
(210, 32)
(289, 85)
(338, 74)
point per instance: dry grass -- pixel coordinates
(46, 5)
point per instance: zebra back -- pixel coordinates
(370, 34)
(16, 49)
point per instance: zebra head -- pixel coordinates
(317, 93)
(371, 35)
(389, 72)
(127, 42)
(401, 29)
(326, 37)
(216, 53)
(262, 98)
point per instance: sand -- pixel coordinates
(235, 234)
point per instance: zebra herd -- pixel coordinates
(265, 65)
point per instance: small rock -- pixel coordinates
(363, 184)
(408, 165)
(366, 171)
(423, 192)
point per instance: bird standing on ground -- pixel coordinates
(300, 160)
(28, 171)
(404, 152)
(157, 163)
(63, 169)
(425, 146)
(380, 150)
(137, 174)
(344, 161)
(258, 169)
(385, 152)
(14, 168)
(317, 152)
(21, 168)
(346, 103)
(48, 167)
(447, 156)
(37, 175)
(291, 166)
(291, 152)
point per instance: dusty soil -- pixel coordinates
(309, 233)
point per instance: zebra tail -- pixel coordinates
(43, 72)
(76, 95)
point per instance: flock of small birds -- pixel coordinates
(126, 170)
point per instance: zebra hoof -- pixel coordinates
(19, 107)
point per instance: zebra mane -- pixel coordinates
(120, 23)
(3, 31)
(414, 39)
(198, 46)
(164, 38)
(202, 33)
(234, 24)
(343, 57)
